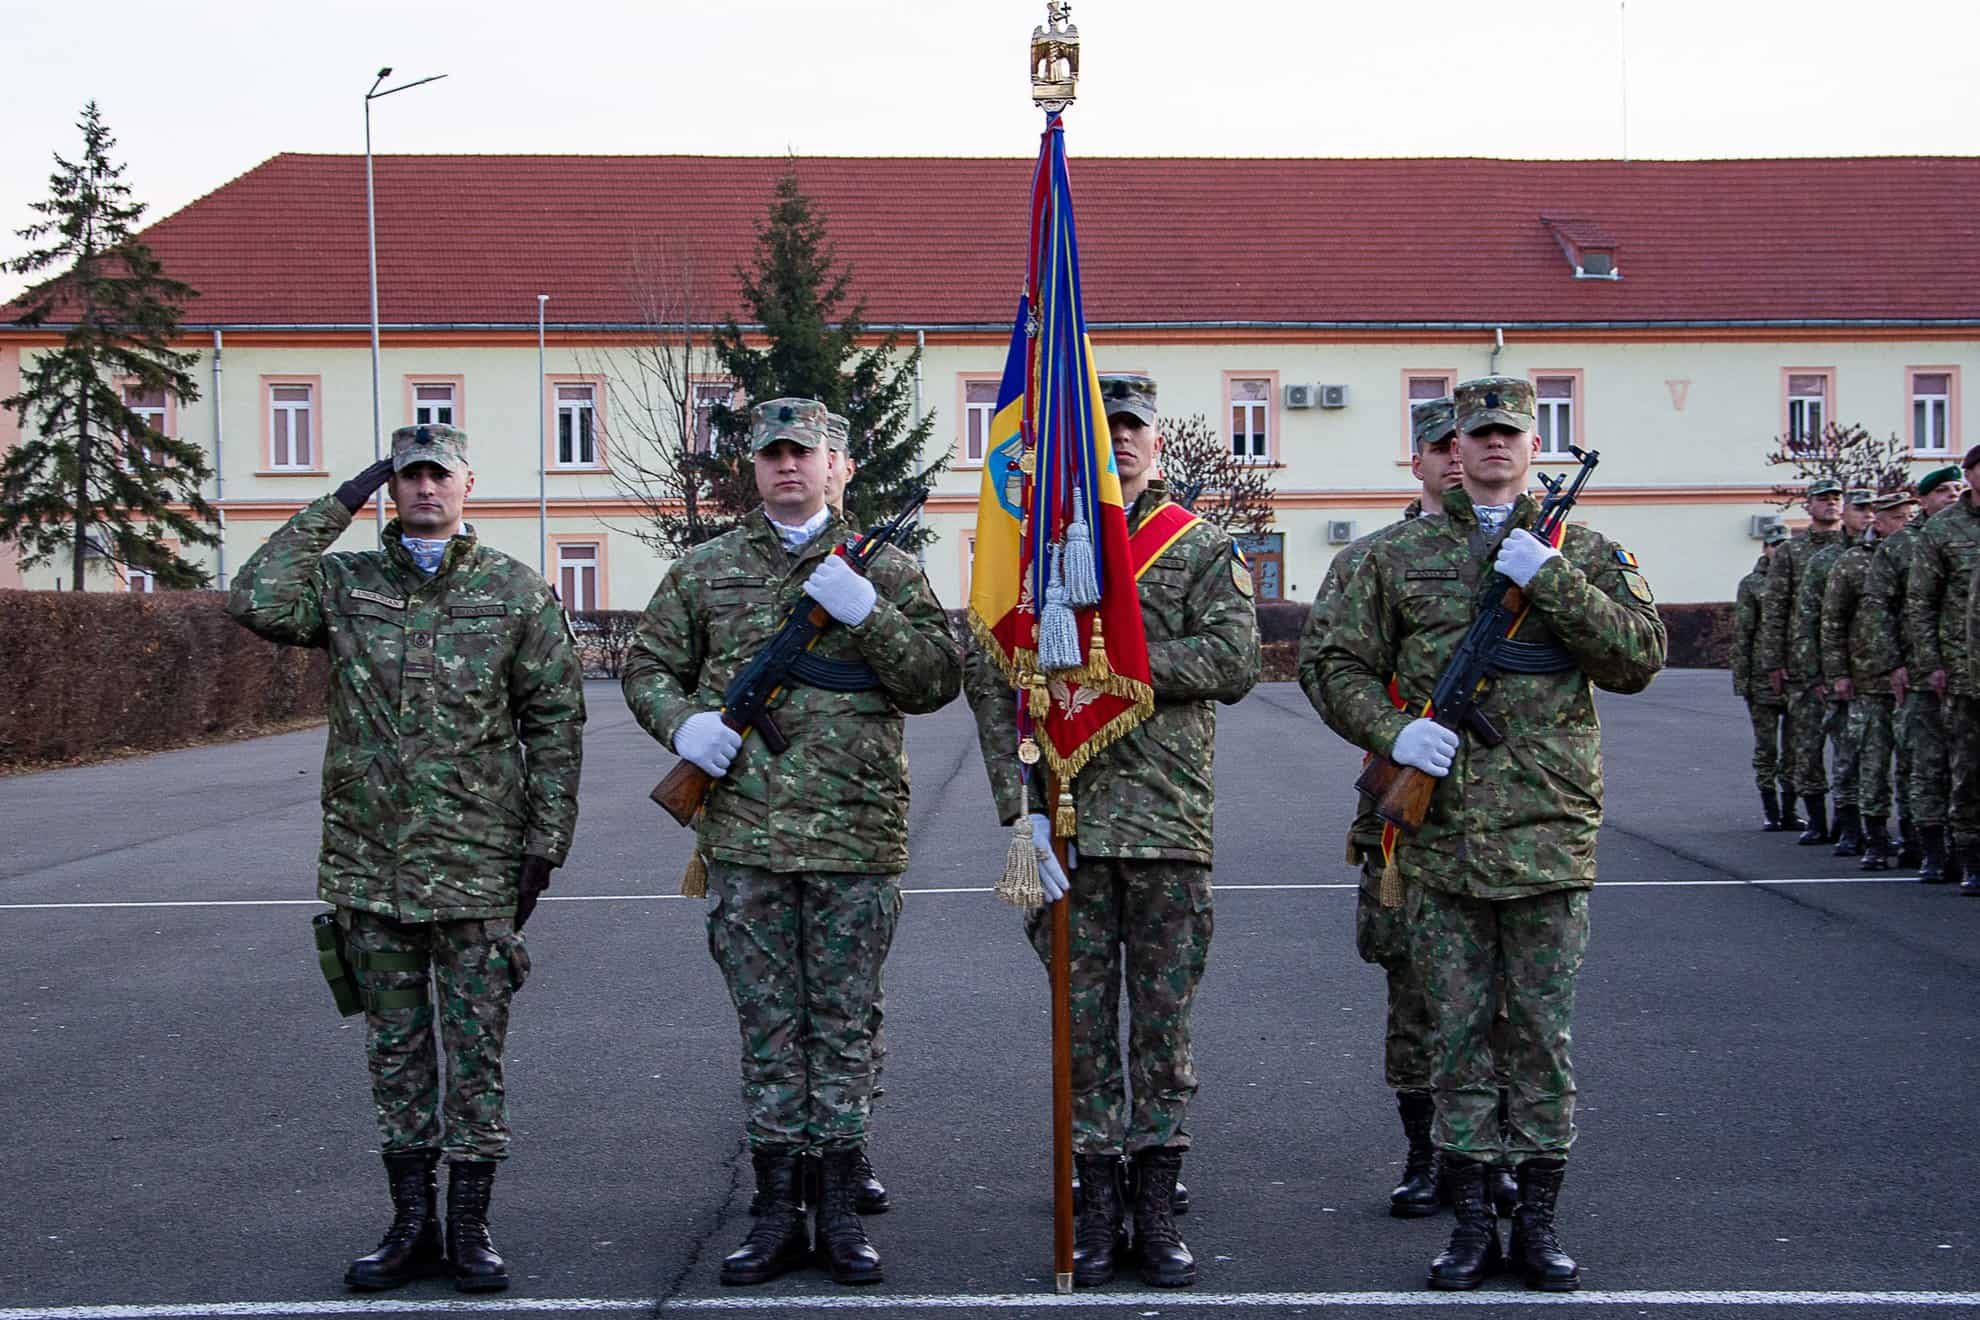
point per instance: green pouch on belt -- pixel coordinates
(336, 968)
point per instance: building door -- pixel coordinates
(577, 576)
(1267, 556)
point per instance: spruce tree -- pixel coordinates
(801, 295)
(90, 474)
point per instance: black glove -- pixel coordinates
(353, 493)
(535, 878)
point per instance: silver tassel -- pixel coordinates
(1082, 574)
(1058, 635)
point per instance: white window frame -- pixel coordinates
(580, 412)
(157, 418)
(704, 396)
(1801, 435)
(1937, 405)
(1259, 412)
(580, 567)
(452, 404)
(1554, 418)
(978, 414)
(140, 581)
(282, 414)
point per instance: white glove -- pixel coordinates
(1051, 876)
(1521, 554)
(1427, 745)
(837, 586)
(707, 742)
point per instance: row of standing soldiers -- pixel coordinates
(1851, 649)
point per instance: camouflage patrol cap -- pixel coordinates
(838, 432)
(1133, 395)
(1775, 534)
(1936, 478)
(803, 422)
(1431, 421)
(445, 446)
(1858, 498)
(1823, 486)
(1897, 499)
(1495, 401)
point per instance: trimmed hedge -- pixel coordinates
(605, 640)
(1700, 635)
(91, 674)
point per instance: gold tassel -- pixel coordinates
(695, 883)
(1096, 652)
(1390, 893)
(1041, 700)
(1019, 884)
(1065, 824)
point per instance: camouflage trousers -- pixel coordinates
(1159, 913)
(802, 952)
(1770, 761)
(1839, 725)
(475, 967)
(1381, 937)
(1925, 729)
(1963, 760)
(1806, 765)
(1465, 946)
(1873, 729)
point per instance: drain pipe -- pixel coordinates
(920, 347)
(1498, 347)
(219, 466)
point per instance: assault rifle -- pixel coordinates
(1490, 647)
(746, 703)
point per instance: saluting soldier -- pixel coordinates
(1381, 936)
(1837, 725)
(1792, 666)
(1140, 888)
(450, 789)
(1498, 876)
(803, 850)
(1859, 673)
(1765, 707)
(1936, 592)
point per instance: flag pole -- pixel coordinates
(1062, 1152)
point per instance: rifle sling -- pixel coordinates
(814, 670)
(1516, 657)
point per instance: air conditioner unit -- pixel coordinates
(1332, 396)
(1758, 525)
(1299, 396)
(1340, 531)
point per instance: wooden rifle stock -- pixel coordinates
(1401, 792)
(681, 792)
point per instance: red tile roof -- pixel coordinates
(473, 239)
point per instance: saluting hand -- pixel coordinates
(353, 493)
(837, 586)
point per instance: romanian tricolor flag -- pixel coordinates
(1050, 515)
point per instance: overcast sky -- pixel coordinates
(198, 91)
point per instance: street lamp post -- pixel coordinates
(371, 236)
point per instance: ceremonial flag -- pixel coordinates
(1052, 589)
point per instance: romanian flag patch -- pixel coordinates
(1625, 558)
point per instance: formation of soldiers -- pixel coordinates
(1852, 649)
(450, 797)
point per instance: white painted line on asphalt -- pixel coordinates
(979, 889)
(1515, 1298)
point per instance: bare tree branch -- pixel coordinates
(1205, 477)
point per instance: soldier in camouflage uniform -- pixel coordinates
(1936, 592)
(1141, 896)
(1380, 935)
(449, 795)
(1789, 656)
(804, 850)
(1498, 876)
(1839, 722)
(1859, 675)
(1767, 710)
(1923, 773)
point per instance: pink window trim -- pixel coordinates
(558, 540)
(1448, 376)
(1954, 447)
(1271, 379)
(965, 379)
(1828, 374)
(414, 379)
(1578, 406)
(317, 431)
(599, 422)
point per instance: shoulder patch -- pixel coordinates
(1241, 573)
(1637, 586)
(1430, 575)
(376, 598)
(1625, 558)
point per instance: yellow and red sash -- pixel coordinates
(1162, 528)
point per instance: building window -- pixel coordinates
(291, 427)
(979, 409)
(577, 575)
(1251, 413)
(433, 404)
(151, 408)
(577, 426)
(707, 396)
(138, 582)
(1807, 407)
(1553, 398)
(1421, 387)
(1932, 395)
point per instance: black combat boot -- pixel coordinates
(1789, 820)
(1770, 811)
(1932, 847)
(411, 1248)
(1100, 1237)
(1849, 832)
(780, 1239)
(1131, 1190)
(1415, 1197)
(1536, 1252)
(843, 1247)
(1964, 865)
(1502, 1190)
(1473, 1252)
(1163, 1255)
(471, 1255)
(1876, 845)
(869, 1193)
(1818, 821)
(1908, 854)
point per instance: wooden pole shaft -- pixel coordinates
(1062, 1153)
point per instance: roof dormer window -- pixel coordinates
(1589, 248)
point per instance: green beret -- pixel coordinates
(1936, 478)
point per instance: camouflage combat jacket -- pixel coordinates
(1935, 595)
(1805, 626)
(837, 799)
(1520, 818)
(1366, 831)
(456, 714)
(1749, 680)
(1785, 574)
(1151, 795)
(1847, 622)
(1884, 596)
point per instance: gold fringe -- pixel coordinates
(694, 884)
(1390, 893)
(1021, 671)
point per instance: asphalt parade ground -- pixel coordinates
(1776, 1053)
